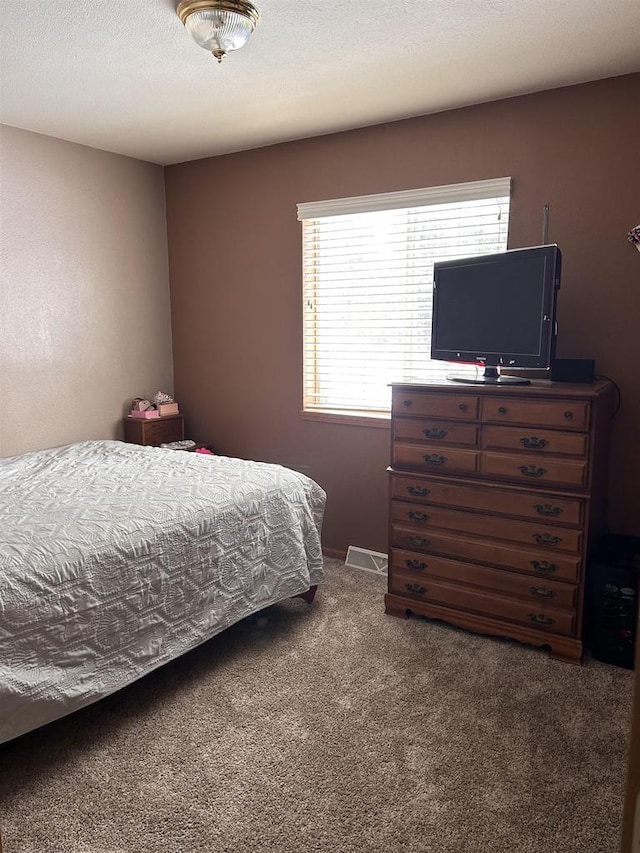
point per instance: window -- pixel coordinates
(368, 282)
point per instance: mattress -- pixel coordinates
(116, 558)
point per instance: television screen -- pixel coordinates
(497, 310)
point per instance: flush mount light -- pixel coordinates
(219, 25)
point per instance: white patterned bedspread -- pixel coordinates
(116, 558)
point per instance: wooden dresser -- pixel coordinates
(497, 493)
(154, 431)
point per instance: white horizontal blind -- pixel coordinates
(368, 286)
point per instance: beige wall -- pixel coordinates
(84, 292)
(235, 264)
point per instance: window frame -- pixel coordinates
(404, 199)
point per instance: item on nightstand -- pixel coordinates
(167, 409)
(149, 413)
(139, 404)
(161, 397)
(165, 403)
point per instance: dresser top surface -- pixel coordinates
(537, 388)
(134, 419)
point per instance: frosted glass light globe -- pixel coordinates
(220, 25)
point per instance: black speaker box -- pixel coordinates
(611, 601)
(573, 370)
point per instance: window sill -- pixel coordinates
(359, 419)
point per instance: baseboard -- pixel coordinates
(336, 555)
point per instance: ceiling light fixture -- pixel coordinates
(219, 25)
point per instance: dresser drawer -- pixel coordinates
(534, 470)
(534, 505)
(534, 561)
(438, 432)
(533, 613)
(463, 407)
(567, 414)
(539, 442)
(471, 523)
(160, 432)
(154, 431)
(434, 458)
(547, 591)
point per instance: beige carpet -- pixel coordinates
(333, 728)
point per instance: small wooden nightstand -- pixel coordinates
(154, 431)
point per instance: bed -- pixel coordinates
(116, 558)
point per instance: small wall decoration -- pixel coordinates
(634, 237)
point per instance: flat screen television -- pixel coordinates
(497, 311)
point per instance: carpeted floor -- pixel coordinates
(333, 728)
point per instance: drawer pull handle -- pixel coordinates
(462, 407)
(541, 591)
(419, 491)
(434, 459)
(418, 541)
(533, 442)
(532, 470)
(407, 402)
(434, 433)
(546, 539)
(414, 587)
(568, 415)
(539, 619)
(418, 516)
(544, 566)
(416, 564)
(548, 510)
(502, 410)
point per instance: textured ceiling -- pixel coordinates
(127, 77)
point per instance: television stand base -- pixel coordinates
(490, 380)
